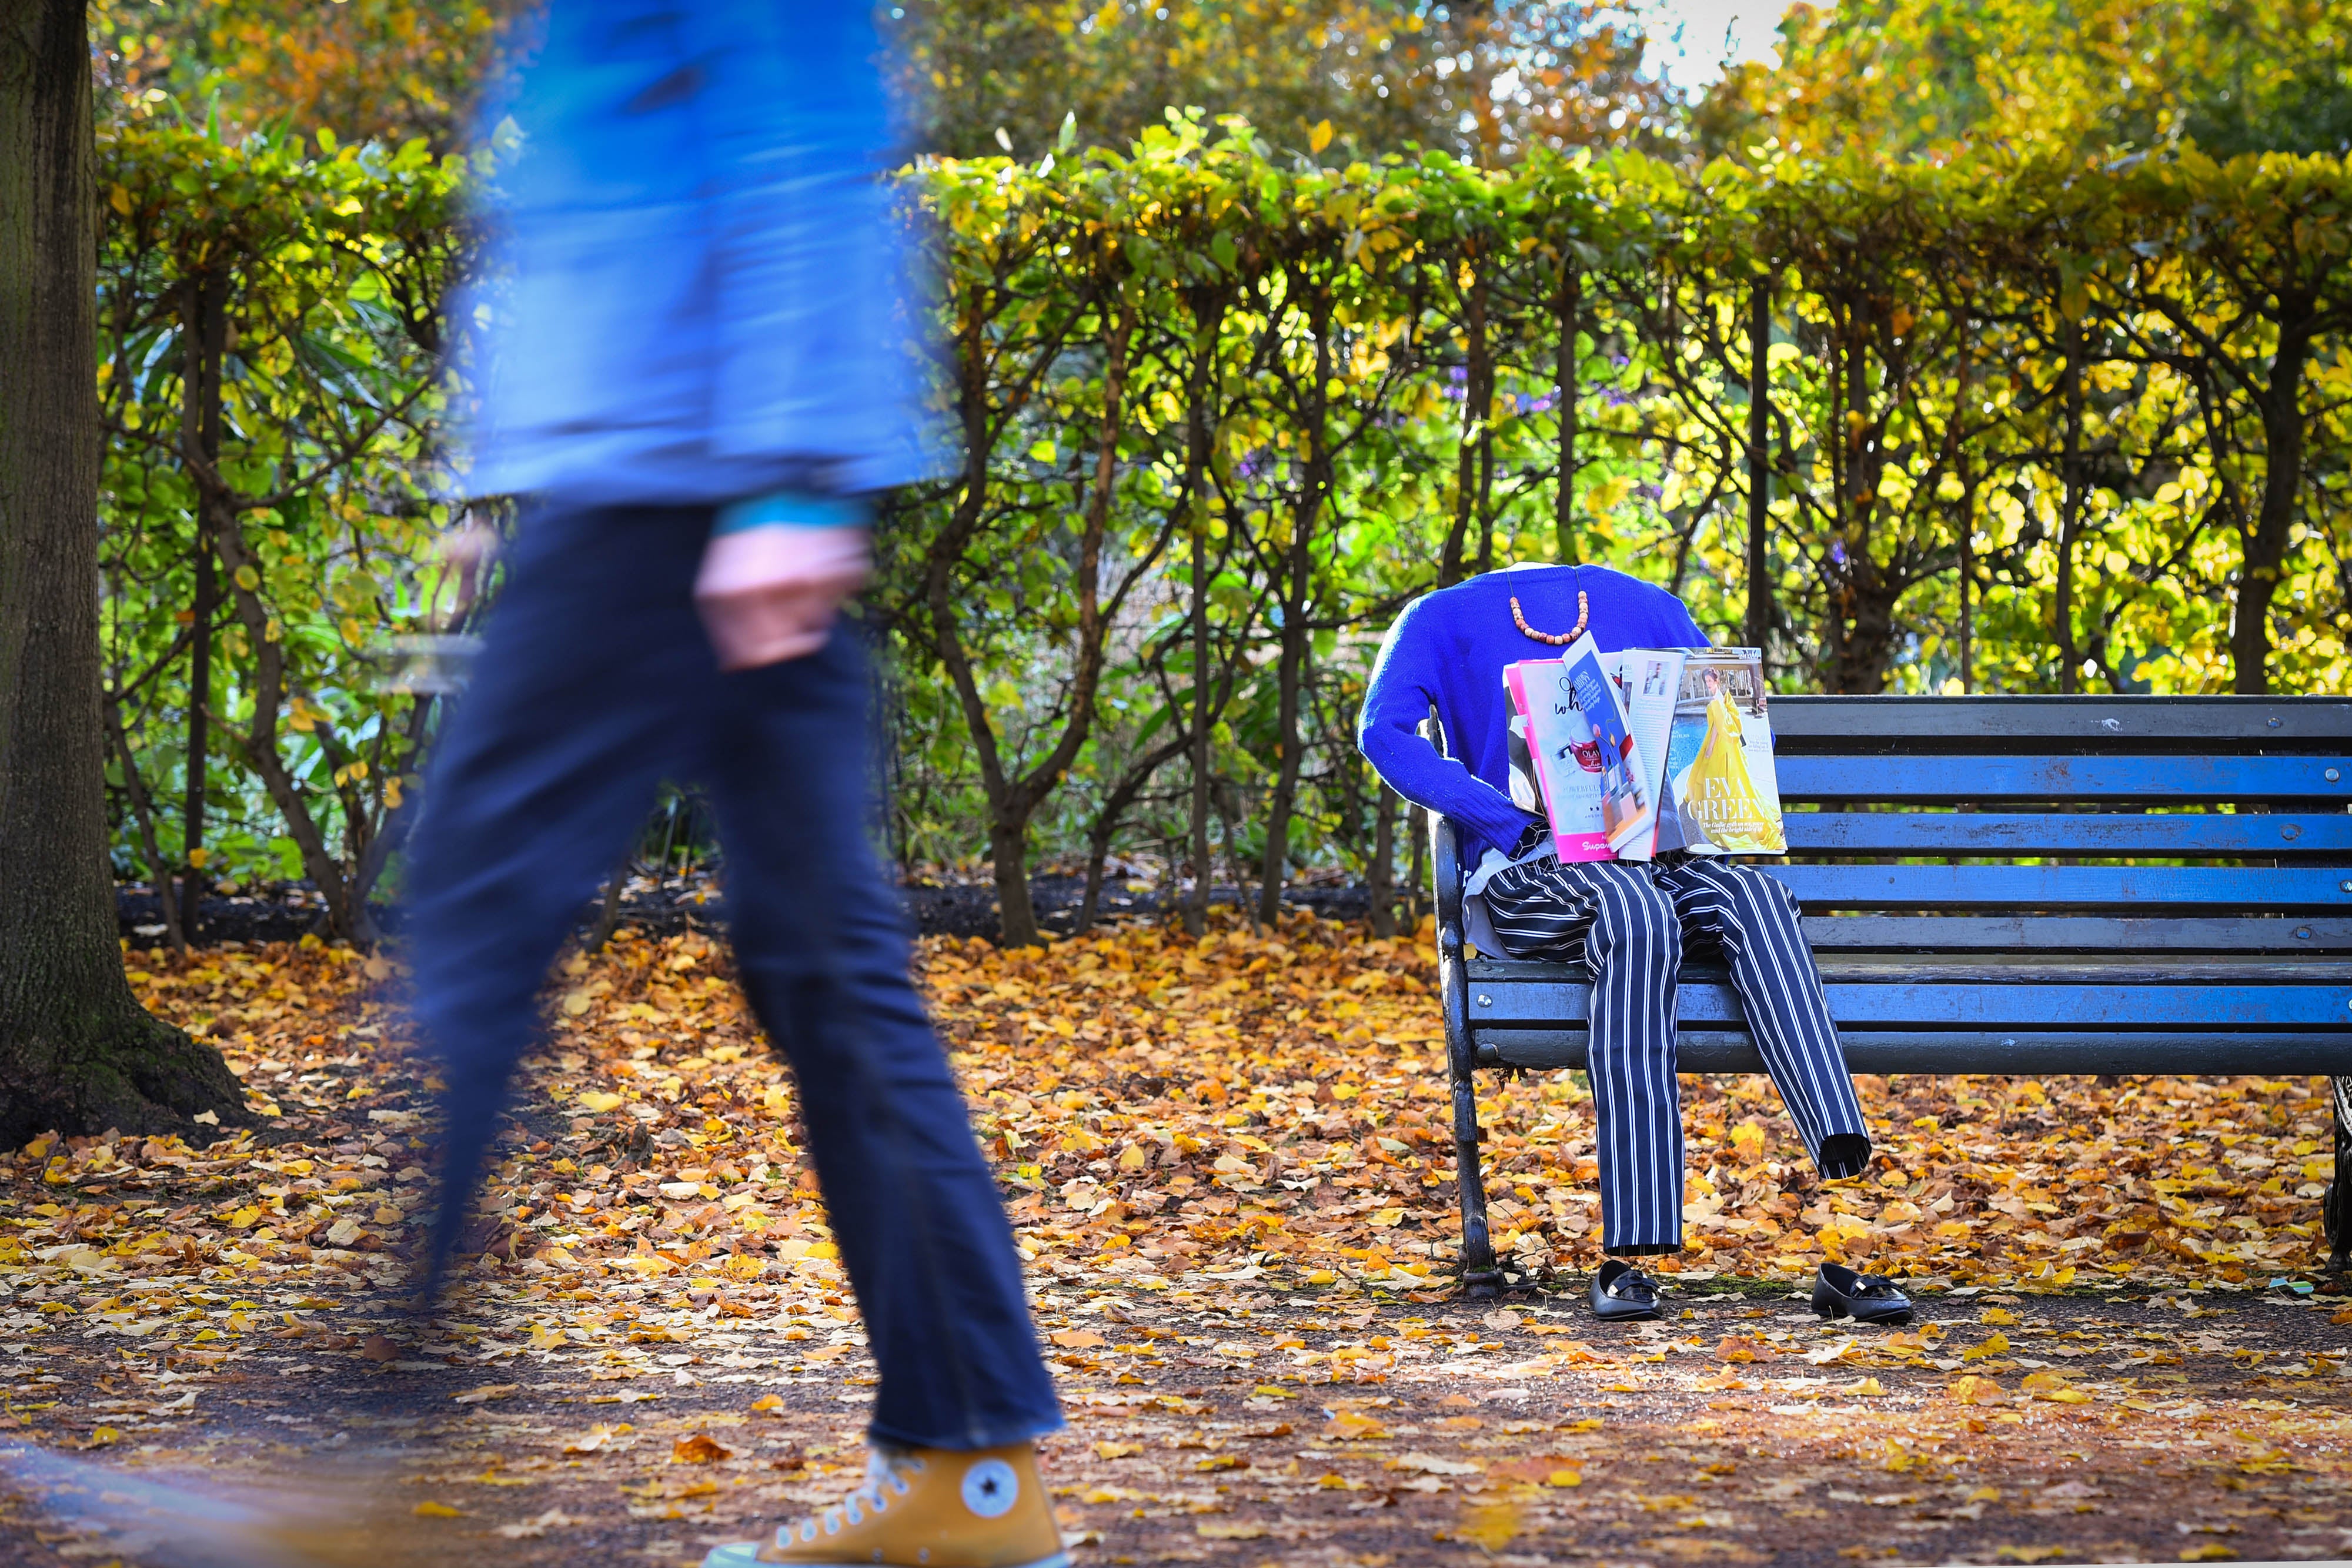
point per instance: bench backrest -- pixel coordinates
(2077, 824)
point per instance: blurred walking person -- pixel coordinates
(693, 351)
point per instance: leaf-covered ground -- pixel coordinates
(1230, 1168)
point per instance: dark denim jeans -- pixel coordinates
(595, 685)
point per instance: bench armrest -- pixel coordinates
(1444, 860)
(1445, 875)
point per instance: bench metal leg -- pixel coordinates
(2335, 1209)
(1480, 1277)
(1479, 1274)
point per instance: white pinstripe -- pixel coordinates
(1627, 922)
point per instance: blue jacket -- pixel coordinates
(696, 285)
(1447, 651)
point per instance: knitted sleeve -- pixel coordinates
(1402, 692)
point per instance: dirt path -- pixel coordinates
(1227, 1164)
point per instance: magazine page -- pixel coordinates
(1566, 757)
(1527, 787)
(1583, 709)
(1652, 681)
(1719, 756)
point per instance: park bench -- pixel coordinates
(1997, 885)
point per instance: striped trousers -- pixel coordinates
(1628, 922)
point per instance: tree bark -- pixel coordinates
(1760, 465)
(1105, 827)
(1571, 311)
(1012, 801)
(2070, 466)
(1379, 877)
(143, 812)
(1968, 574)
(204, 344)
(259, 741)
(1209, 320)
(1862, 593)
(2265, 549)
(78, 1054)
(1417, 874)
(1299, 597)
(1477, 404)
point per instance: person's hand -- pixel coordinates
(772, 593)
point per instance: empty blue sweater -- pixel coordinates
(1448, 649)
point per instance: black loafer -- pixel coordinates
(1840, 1293)
(1623, 1294)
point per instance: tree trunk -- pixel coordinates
(608, 915)
(1968, 574)
(1417, 863)
(1196, 906)
(1379, 877)
(143, 813)
(1760, 465)
(78, 1054)
(1104, 826)
(1209, 321)
(2265, 549)
(1299, 596)
(259, 741)
(1476, 405)
(1230, 812)
(1013, 801)
(1571, 309)
(204, 344)
(2070, 464)
(1864, 595)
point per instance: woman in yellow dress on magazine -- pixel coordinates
(1719, 789)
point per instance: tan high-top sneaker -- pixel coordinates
(923, 1508)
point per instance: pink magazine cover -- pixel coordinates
(1571, 781)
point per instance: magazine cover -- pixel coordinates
(1719, 756)
(1649, 681)
(1582, 709)
(1563, 759)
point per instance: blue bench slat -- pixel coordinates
(2196, 1053)
(2030, 887)
(2183, 834)
(2230, 723)
(2077, 933)
(1956, 780)
(2236, 1004)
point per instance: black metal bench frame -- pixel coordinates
(1986, 940)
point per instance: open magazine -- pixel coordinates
(1569, 724)
(1718, 757)
(1633, 754)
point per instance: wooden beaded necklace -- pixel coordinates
(1557, 639)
